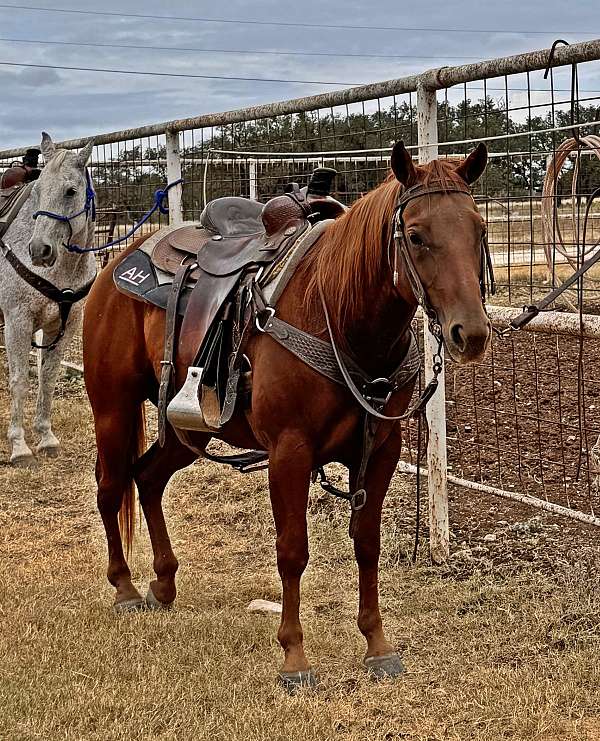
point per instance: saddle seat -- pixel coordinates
(233, 216)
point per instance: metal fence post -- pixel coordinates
(439, 543)
(174, 173)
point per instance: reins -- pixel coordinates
(374, 396)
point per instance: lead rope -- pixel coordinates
(418, 487)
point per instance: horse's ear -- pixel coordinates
(473, 166)
(85, 154)
(403, 166)
(47, 147)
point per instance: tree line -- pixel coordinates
(517, 164)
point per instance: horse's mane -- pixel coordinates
(352, 254)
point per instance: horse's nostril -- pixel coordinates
(458, 337)
(40, 252)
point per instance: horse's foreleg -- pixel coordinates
(152, 473)
(17, 337)
(289, 479)
(49, 367)
(381, 658)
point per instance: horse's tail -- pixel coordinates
(127, 513)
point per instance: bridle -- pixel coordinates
(374, 397)
(89, 209)
(399, 245)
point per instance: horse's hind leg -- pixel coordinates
(381, 658)
(119, 438)
(152, 473)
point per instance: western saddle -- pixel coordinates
(217, 279)
(11, 202)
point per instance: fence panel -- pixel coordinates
(525, 422)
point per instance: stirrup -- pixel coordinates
(184, 411)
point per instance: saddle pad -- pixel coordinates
(136, 277)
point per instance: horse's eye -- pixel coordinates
(416, 239)
(70, 192)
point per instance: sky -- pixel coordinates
(72, 104)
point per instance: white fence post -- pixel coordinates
(174, 173)
(252, 179)
(439, 540)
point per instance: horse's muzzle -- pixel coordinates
(467, 342)
(42, 254)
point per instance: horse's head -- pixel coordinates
(61, 201)
(442, 233)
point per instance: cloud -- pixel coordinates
(74, 104)
(34, 77)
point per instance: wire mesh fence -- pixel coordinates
(527, 418)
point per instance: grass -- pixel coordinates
(491, 653)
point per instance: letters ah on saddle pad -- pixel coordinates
(208, 274)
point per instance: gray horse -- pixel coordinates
(39, 245)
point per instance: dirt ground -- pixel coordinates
(502, 643)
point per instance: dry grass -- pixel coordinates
(490, 654)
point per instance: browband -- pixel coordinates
(436, 186)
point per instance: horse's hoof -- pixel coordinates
(152, 603)
(294, 681)
(24, 461)
(384, 667)
(135, 604)
(50, 451)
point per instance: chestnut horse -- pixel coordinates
(300, 417)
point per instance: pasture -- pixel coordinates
(503, 643)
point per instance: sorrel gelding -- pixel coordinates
(300, 417)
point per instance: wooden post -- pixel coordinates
(174, 173)
(439, 538)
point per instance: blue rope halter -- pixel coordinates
(89, 210)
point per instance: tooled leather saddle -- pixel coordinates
(203, 275)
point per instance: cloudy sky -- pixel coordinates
(72, 103)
